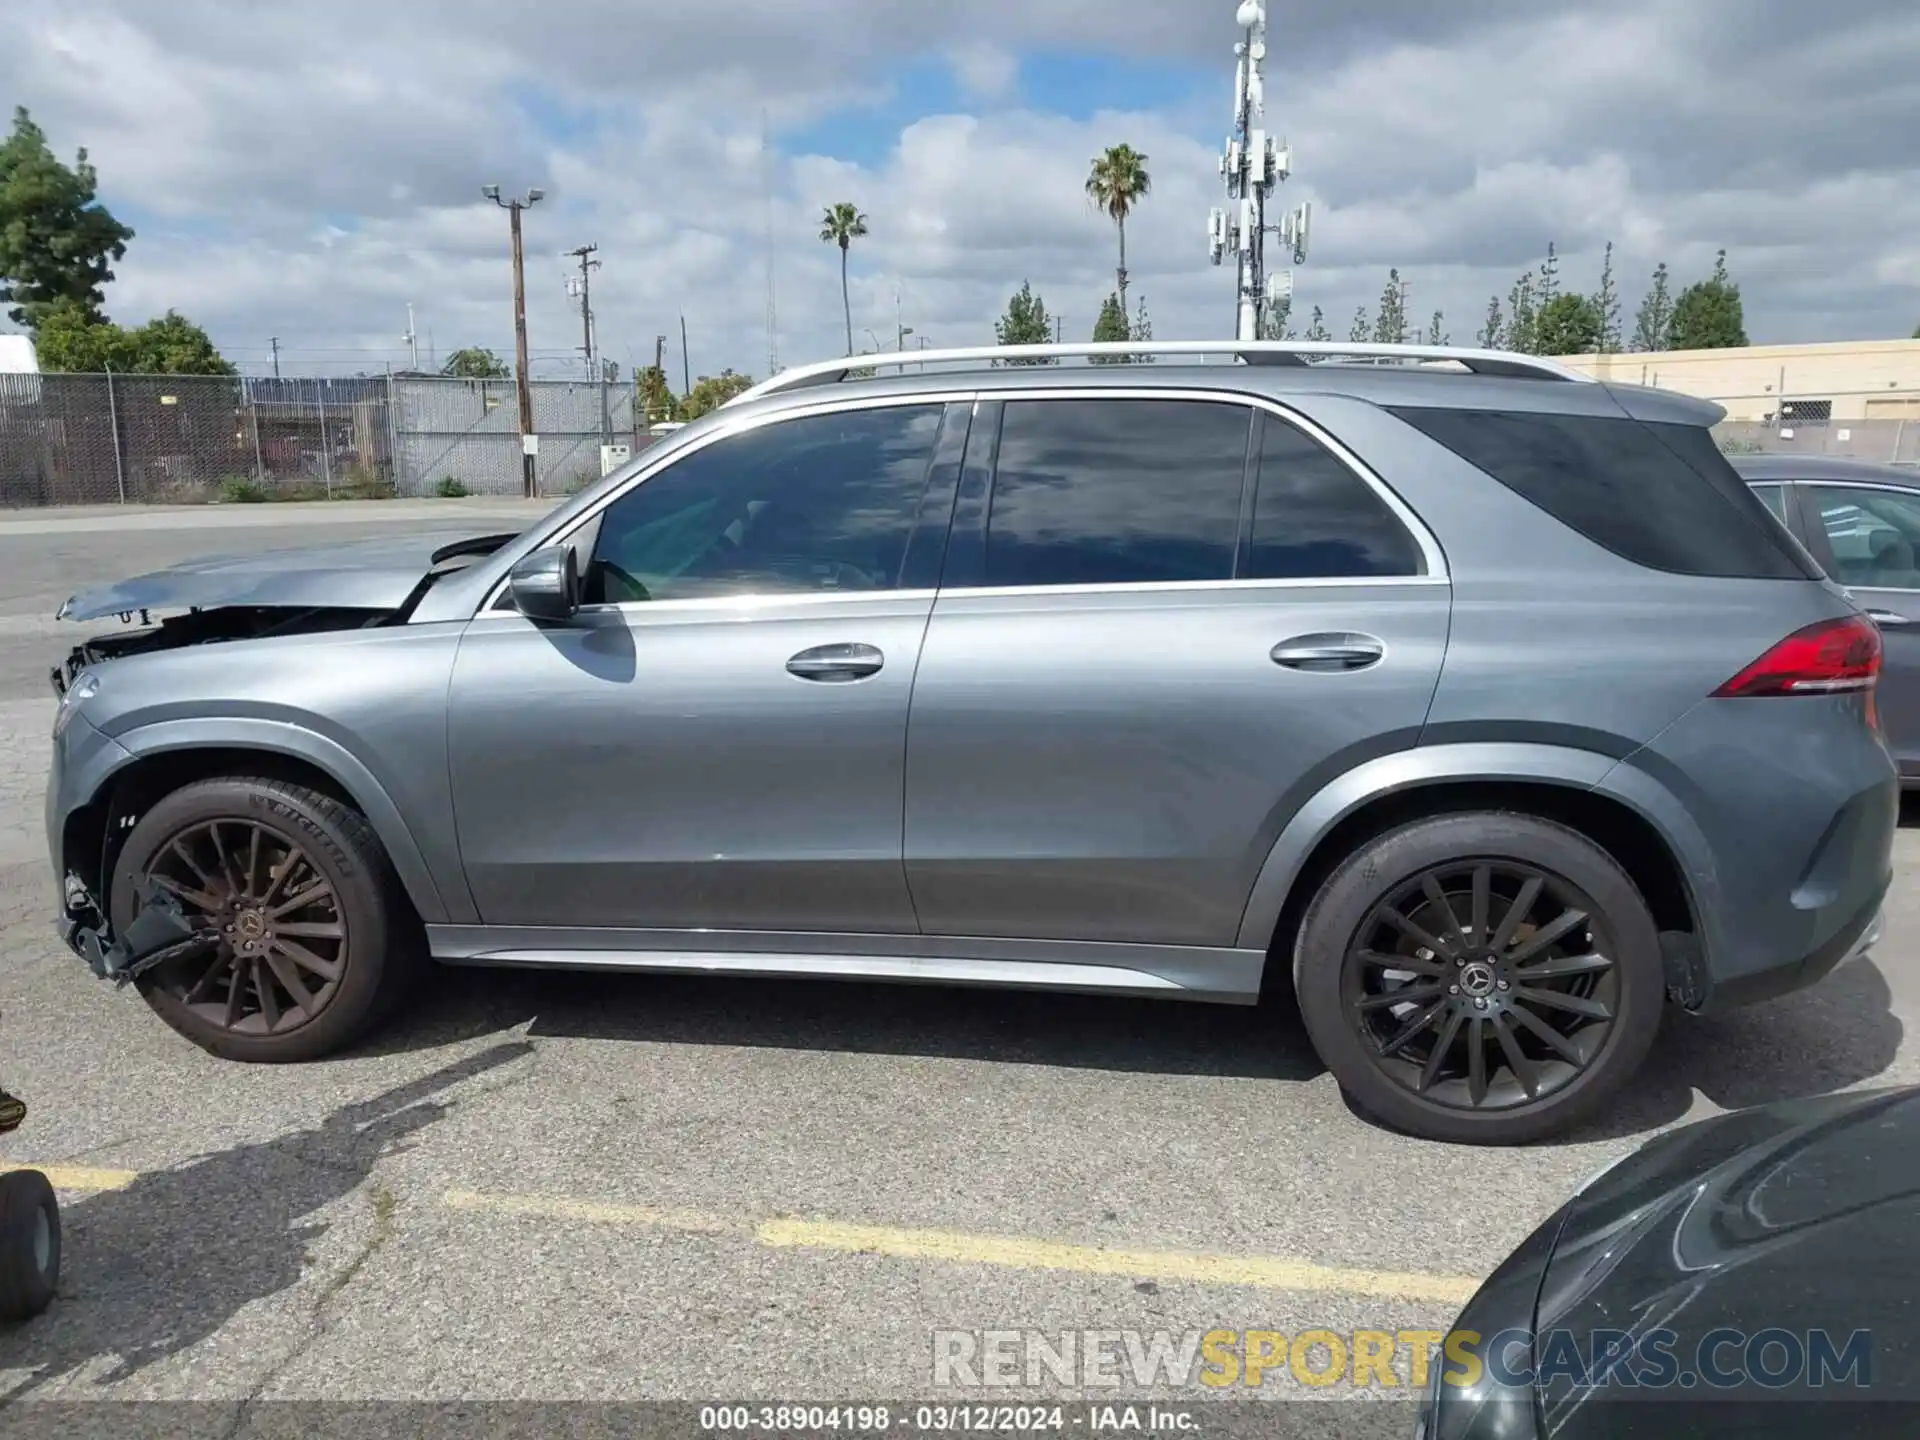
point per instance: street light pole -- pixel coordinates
(529, 439)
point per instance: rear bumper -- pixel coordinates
(1852, 940)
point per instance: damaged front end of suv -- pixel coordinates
(215, 604)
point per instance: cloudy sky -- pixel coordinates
(307, 170)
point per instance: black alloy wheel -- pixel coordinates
(1483, 983)
(277, 935)
(308, 939)
(1485, 977)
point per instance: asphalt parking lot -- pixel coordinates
(557, 1187)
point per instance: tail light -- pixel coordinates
(1830, 658)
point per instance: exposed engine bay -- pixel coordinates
(215, 597)
(209, 627)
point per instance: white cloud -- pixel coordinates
(984, 70)
(307, 171)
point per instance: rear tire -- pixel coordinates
(29, 1244)
(314, 941)
(1408, 949)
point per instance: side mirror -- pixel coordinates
(546, 584)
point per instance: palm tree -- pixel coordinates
(841, 225)
(1119, 179)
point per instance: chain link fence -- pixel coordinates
(184, 439)
(1884, 442)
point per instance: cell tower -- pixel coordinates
(1254, 164)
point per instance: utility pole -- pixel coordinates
(686, 365)
(529, 438)
(584, 254)
(274, 341)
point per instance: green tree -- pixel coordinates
(658, 403)
(474, 363)
(1655, 314)
(1317, 331)
(1708, 314)
(57, 241)
(1361, 327)
(1606, 301)
(1111, 328)
(1142, 326)
(1436, 331)
(1547, 289)
(710, 392)
(1116, 183)
(1522, 311)
(841, 225)
(72, 338)
(1494, 331)
(1025, 323)
(1390, 327)
(1568, 324)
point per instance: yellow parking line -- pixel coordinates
(1267, 1272)
(80, 1177)
(596, 1212)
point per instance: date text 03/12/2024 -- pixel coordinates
(945, 1419)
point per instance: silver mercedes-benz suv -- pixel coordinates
(1479, 704)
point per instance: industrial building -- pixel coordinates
(1790, 384)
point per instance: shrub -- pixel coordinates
(451, 489)
(239, 490)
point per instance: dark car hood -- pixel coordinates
(1803, 1216)
(376, 574)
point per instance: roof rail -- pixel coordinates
(1251, 352)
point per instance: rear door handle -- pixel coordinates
(1888, 619)
(836, 663)
(1329, 653)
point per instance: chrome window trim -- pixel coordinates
(1432, 556)
(734, 425)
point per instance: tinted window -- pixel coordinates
(1106, 492)
(1875, 535)
(1774, 497)
(1662, 496)
(1313, 518)
(821, 503)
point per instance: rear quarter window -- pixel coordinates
(1660, 495)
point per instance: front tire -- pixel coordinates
(311, 943)
(1486, 978)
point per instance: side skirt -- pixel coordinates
(1174, 972)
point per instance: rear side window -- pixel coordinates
(1315, 519)
(1116, 492)
(1659, 495)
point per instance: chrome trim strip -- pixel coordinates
(1431, 553)
(1012, 974)
(1176, 587)
(1184, 972)
(563, 531)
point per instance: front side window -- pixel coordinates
(1875, 535)
(1116, 492)
(821, 503)
(1315, 519)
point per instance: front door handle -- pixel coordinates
(1331, 653)
(836, 663)
(1888, 619)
